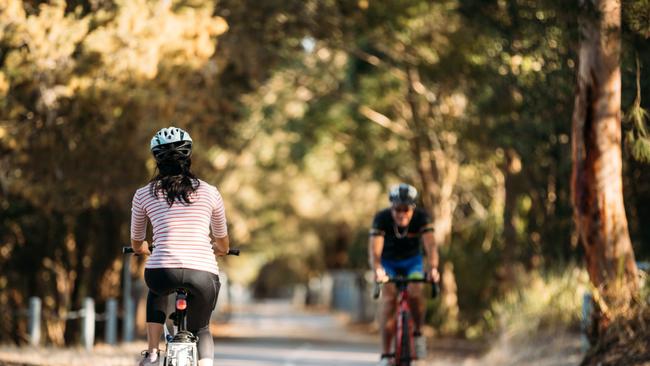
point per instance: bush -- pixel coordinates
(542, 302)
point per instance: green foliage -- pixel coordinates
(82, 90)
(76, 93)
(639, 147)
(637, 15)
(637, 138)
(645, 287)
(300, 114)
(541, 302)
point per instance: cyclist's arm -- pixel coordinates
(218, 226)
(138, 227)
(221, 245)
(431, 248)
(140, 247)
(375, 248)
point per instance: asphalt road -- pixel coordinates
(274, 333)
(259, 334)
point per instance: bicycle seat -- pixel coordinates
(182, 290)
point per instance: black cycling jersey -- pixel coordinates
(401, 242)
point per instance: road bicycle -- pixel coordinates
(404, 348)
(180, 343)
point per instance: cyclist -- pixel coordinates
(395, 248)
(189, 228)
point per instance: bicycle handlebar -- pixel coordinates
(129, 250)
(435, 287)
(402, 279)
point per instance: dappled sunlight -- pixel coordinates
(164, 37)
(303, 115)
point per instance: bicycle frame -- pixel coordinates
(181, 347)
(404, 343)
(180, 315)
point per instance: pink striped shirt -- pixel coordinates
(181, 233)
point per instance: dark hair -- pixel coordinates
(174, 178)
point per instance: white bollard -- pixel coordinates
(34, 321)
(88, 323)
(299, 297)
(327, 290)
(110, 331)
(129, 305)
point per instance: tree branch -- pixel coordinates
(384, 121)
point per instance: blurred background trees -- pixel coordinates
(303, 113)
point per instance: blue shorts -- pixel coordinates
(410, 267)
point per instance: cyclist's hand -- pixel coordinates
(144, 249)
(434, 275)
(380, 275)
(220, 251)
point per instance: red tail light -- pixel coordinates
(181, 304)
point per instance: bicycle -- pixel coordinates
(404, 344)
(180, 343)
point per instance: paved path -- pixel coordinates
(263, 334)
(273, 333)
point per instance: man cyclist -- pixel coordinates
(395, 248)
(189, 230)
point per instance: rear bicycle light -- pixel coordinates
(181, 304)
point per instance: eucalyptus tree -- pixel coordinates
(597, 185)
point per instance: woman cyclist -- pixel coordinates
(189, 228)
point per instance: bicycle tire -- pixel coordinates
(405, 342)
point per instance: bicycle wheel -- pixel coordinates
(405, 342)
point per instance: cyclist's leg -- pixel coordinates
(387, 320)
(418, 309)
(417, 304)
(204, 290)
(414, 269)
(161, 282)
(387, 316)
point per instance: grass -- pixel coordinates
(625, 342)
(541, 302)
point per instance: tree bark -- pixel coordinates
(512, 182)
(438, 172)
(437, 167)
(596, 182)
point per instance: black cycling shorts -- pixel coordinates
(203, 287)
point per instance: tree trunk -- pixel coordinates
(597, 190)
(437, 166)
(512, 182)
(438, 171)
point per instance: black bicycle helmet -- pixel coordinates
(403, 194)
